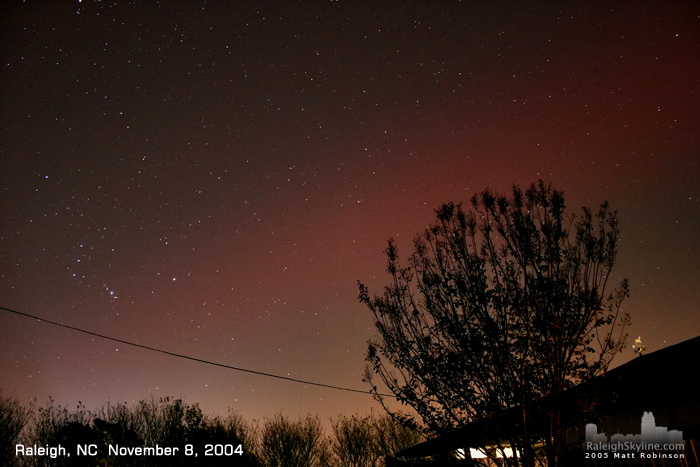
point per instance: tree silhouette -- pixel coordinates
(13, 418)
(369, 441)
(499, 306)
(285, 443)
(164, 422)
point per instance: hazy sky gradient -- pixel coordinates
(213, 179)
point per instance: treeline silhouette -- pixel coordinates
(193, 438)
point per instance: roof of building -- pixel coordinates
(665, 374)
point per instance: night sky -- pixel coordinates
(213, 179)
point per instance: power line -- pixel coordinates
(186, 357)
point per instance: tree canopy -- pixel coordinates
(499, 305)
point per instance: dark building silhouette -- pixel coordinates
(658, 388)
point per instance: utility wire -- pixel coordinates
(186, 357)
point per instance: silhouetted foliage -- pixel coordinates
(499, 306)
(394, 437)
(438, 461)
(233, 429)
(285, 443)
(355, 442)
(13, 418)
(166, 422)
(369, 441)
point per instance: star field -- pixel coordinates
(213, 179)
